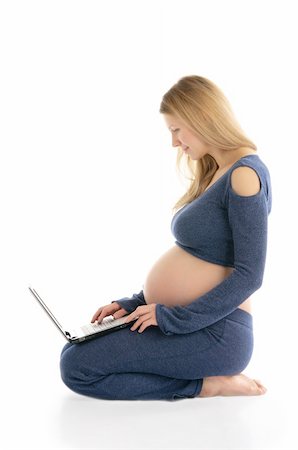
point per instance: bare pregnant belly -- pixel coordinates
(178, 278)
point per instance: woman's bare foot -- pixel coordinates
(231, 385)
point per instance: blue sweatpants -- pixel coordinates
(127, 365)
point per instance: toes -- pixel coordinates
(260, 387)
(262, 390)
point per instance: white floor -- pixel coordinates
(41, 413)
(47, 416)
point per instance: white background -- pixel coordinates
(88, 180)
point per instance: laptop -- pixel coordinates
(89, 331)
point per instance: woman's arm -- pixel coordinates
(131, 303)
(248, 216)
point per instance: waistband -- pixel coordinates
(241, 316)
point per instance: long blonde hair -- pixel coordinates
(202, 106)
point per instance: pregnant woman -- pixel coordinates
(193, 334)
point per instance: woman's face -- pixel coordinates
(184, 137)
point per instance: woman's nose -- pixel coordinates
(175, 142)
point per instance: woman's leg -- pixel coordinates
(152, 366)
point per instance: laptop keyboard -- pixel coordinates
(91, 328)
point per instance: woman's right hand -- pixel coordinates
(113, 309)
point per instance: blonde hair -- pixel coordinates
(202, 106)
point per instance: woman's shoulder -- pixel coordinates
(252, 160)
(250, 175)
(245, 181)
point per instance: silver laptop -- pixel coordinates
(89, 331)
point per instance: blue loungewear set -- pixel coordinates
(210, 336)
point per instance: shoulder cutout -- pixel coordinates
(245, 181)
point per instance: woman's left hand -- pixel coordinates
(145, 316)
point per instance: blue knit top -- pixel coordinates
(222, 227)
